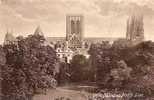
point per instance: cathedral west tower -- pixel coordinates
(135, 28)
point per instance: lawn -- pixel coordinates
(59, 93)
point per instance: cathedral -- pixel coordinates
(75, 43)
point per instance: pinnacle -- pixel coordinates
(38, 31)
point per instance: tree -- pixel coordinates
(124, 65)
(63, 77)
(142, 61)
(2, 64)
(30, 65)
(79, 68)
(103, 59)
(120, 75)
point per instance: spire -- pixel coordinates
(9, 38)
(38, 31)
(128, 28)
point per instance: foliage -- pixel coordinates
(120, 75)
(79, 68)
(124, 65)
(2, 64)
(103, 60)
(29, 65)
(63, 77)
(142, 61)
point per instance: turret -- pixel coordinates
(38, 31)
(9, 38)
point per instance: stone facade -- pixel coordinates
(74, 31)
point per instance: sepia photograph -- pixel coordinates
(76, 49)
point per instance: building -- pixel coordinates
(38, 31)
(74, 31)
(86, 40)
(64, 53)
(72, 44)
(135, 28)
(9, 39)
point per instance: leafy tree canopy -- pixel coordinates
(29, 65)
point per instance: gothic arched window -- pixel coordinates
(72, 26)
(78, 26)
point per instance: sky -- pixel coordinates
(102, 18)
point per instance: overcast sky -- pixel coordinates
(102, 18)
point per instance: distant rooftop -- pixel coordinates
(86, 39)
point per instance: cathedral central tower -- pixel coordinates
(74, 31)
